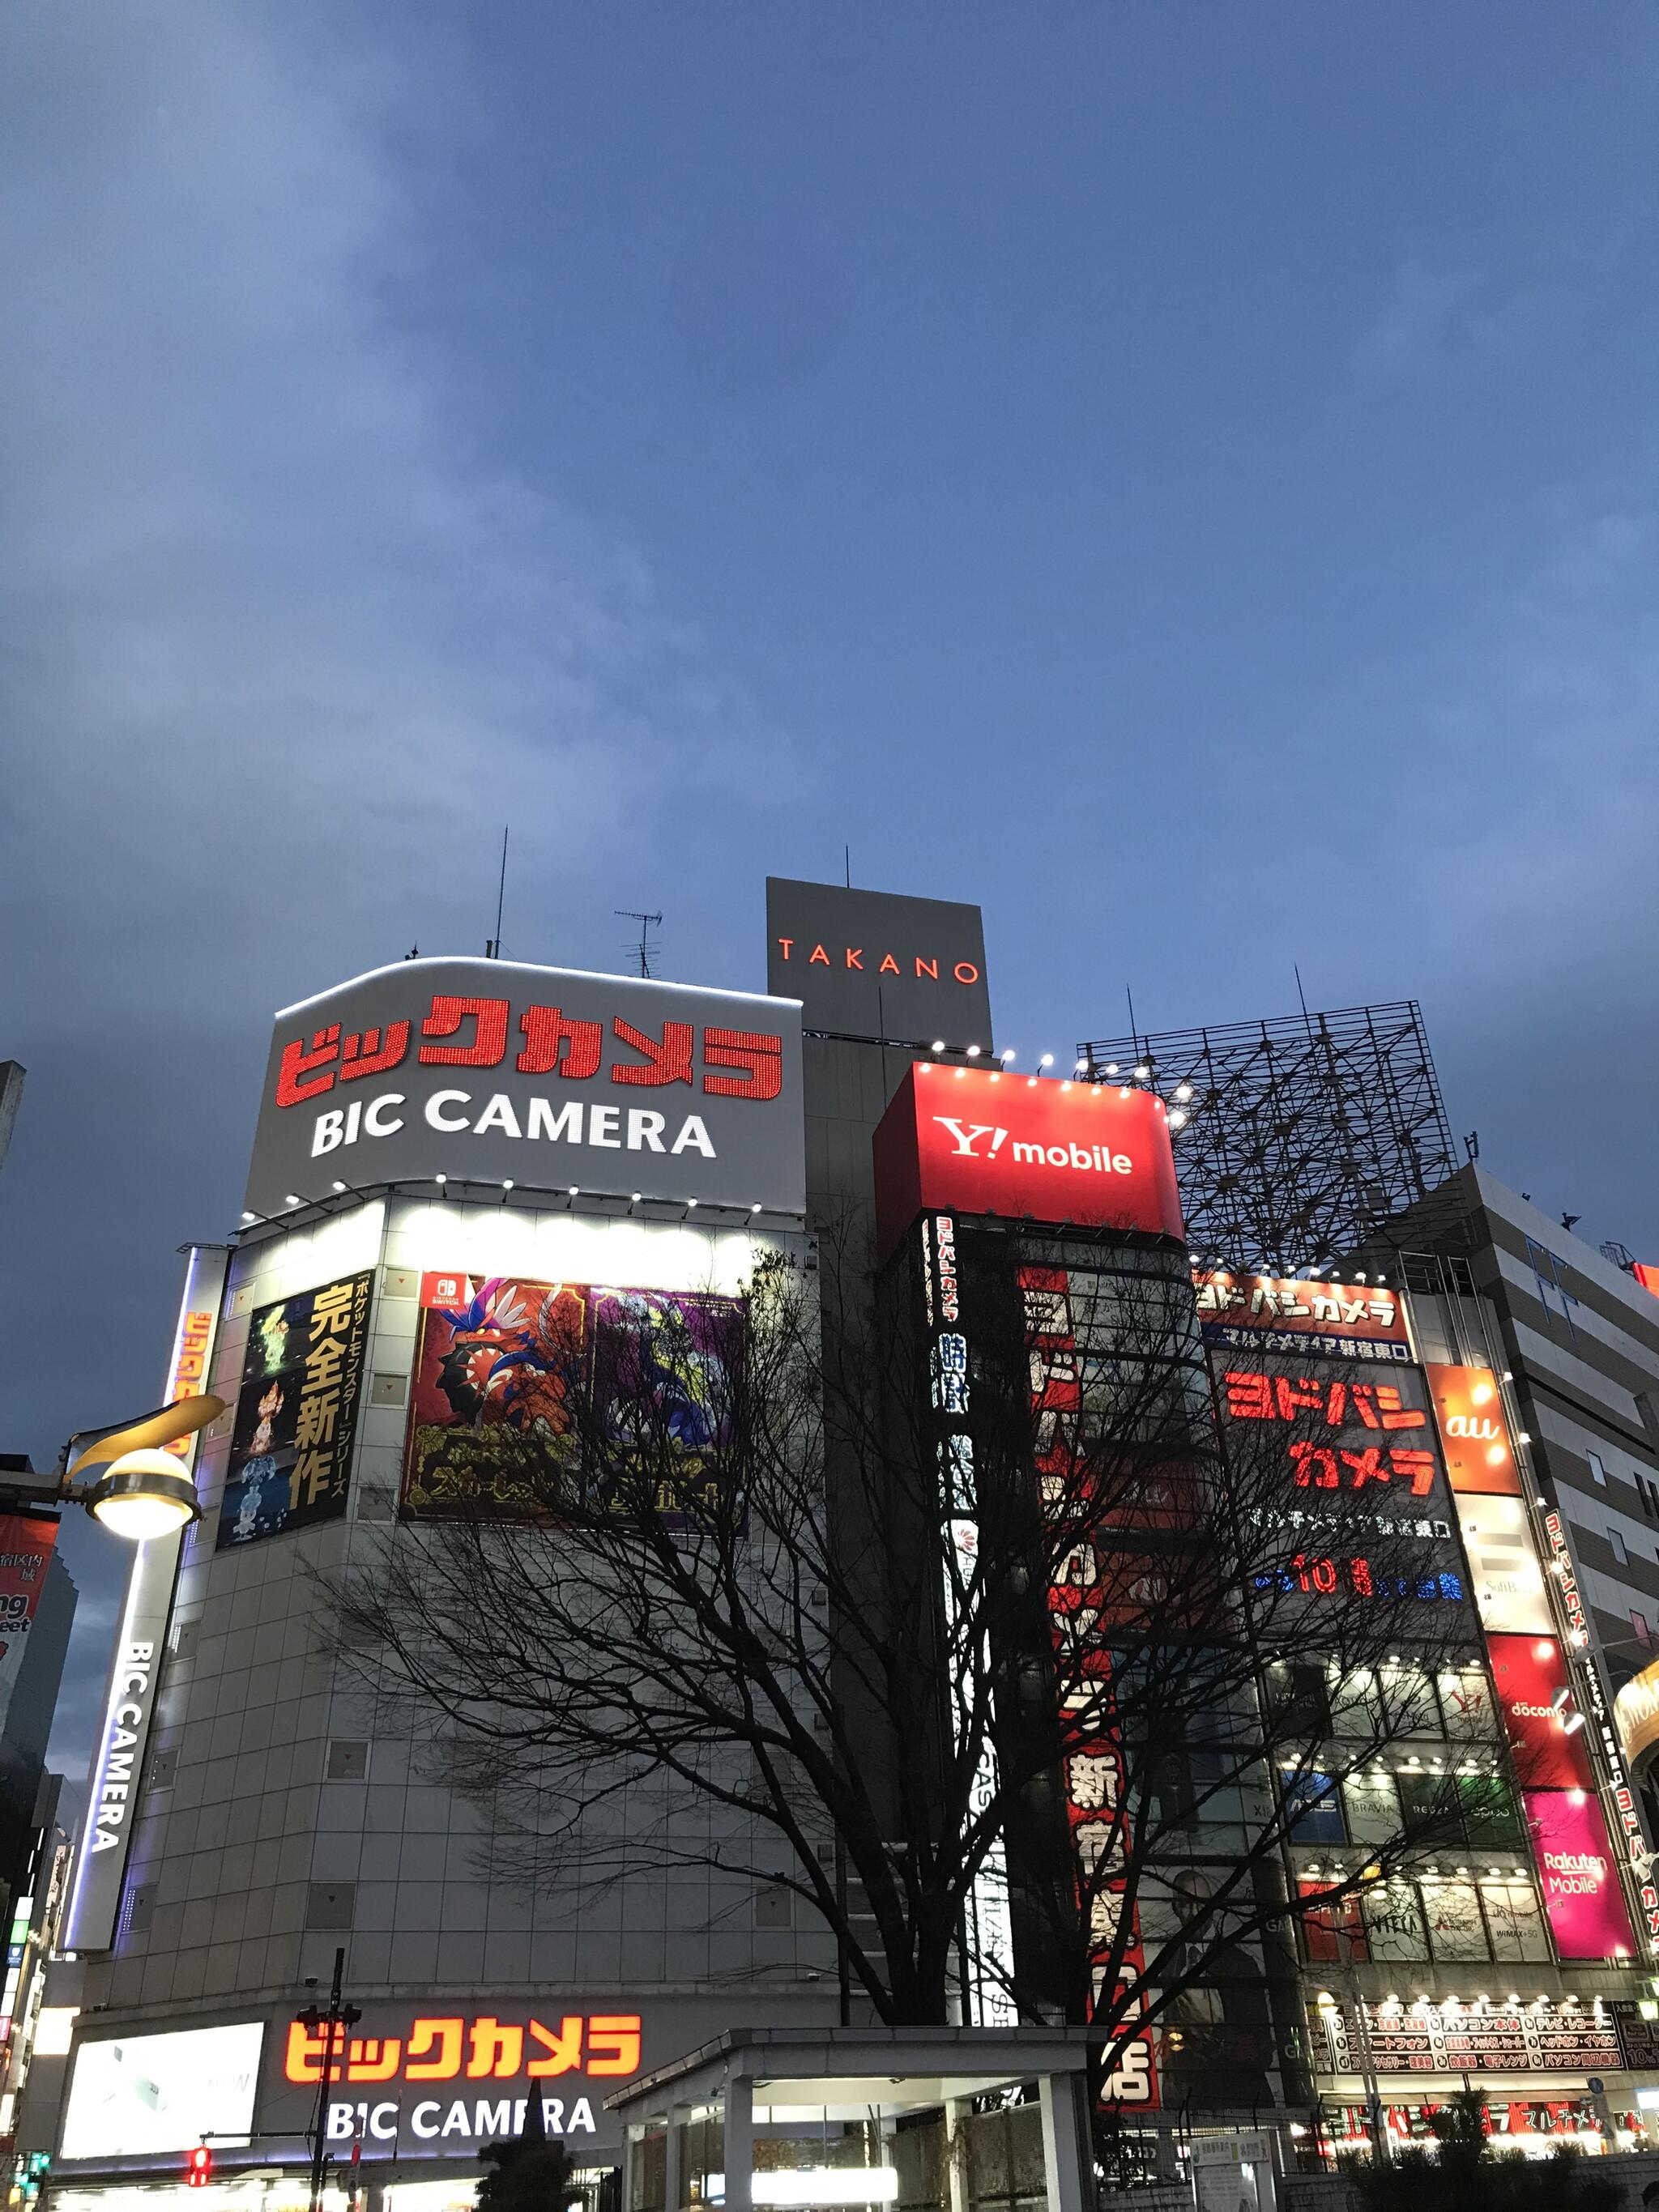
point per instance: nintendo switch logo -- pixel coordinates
(966, 1138)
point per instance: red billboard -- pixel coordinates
(1530, 1673)
(25, 1542)
(982, 1140)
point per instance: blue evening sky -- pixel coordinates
(1183, 477)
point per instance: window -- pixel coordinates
(1639, 1621)
(1393, 1924)
(1598, 1473)
(1649, 1494)
(1455, 1929)
(1313, 1808)
(1333, 1932)
(1513, 1917)
(1618, 1544)
(1489, 1815)
(1373, 1808)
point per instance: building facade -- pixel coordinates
(251, 1818)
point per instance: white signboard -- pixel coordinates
(135, 2093)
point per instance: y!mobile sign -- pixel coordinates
(984, 1141)
(488, 1070)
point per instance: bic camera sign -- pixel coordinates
(485, 1071)
(457, 2079)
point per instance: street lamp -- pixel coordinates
(142, 1492)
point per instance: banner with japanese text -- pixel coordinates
(296, 1413)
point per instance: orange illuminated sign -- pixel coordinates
(1480, 1456)
(456, 2047)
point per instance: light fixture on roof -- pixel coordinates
(690, 1202)
(973, 1052)
(755, 1208)
(1047, 1060)
(1142, 1073)
(937, 1045)
(1007, 1054)
(249, 1217)
(440, 1179)
(339, 1186)
(1177, 1120)
(293, 1199)
(506, 1183)
(1184, 1090)
(574, 1193)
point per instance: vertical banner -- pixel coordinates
(990, 1931)
(1582, 1895)
(25, 1542)
(296, 1415)
(129, 1705)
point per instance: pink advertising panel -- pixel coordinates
(1582, 1896)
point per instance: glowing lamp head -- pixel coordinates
(143, 1495)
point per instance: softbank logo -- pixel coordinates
(966, 1138)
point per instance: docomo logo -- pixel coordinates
(1069, 1155)
(610, 1129)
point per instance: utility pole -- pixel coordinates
(334, 2023)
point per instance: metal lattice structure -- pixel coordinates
(1299, 1141)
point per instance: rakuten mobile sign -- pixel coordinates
(983, 1141)
(488, 1070)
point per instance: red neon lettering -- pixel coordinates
(488, 1045)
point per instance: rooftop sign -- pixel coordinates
(873, 964)
(490, 1070)
(968, 1140)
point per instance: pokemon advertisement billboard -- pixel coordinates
(504, 1369)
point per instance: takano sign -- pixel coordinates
(491, 1072)
(972, 1140)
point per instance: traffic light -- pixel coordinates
(199, 2171)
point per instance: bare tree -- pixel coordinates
(1027, 1700)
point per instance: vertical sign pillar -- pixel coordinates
(117, 1772)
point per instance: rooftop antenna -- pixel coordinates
(847, 856)
(1303, 996)
(493, 944)
(643, 951)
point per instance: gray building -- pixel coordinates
(1579, 1335)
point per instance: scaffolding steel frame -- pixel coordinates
(1304, 1138)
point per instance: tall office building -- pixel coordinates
(461, 1169)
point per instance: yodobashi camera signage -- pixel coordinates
(492, 1072)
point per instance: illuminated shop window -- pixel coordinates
(1372, 1806)
(1394, 1922)
(1313, 1808)
(1515, 1919)
(1457, 1931)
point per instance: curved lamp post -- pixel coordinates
(139, 1490)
